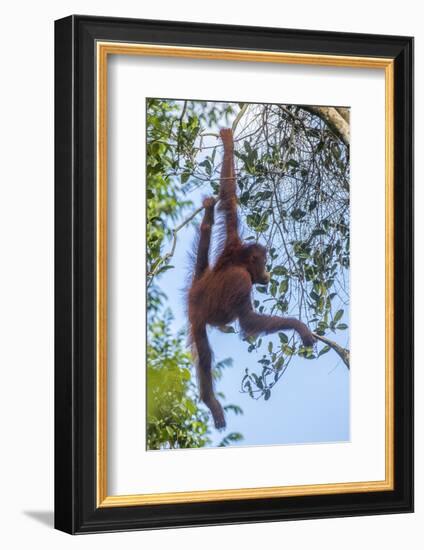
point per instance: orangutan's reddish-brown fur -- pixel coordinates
(222, 293)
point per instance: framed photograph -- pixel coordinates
(233, 265)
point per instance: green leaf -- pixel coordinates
(279, 270)
(283, 337)
(165, 268)
(338, 315)
(314, 295)
(191, 407)
(258, 381)
(264, 195)
(325, 349)
(185, 177)
(284, 286)
(279, 363)
(185, 373)
(227, 329)
(297, 214)
(207, 165)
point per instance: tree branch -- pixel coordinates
(165, 259)
(334, 120)
(345, 112)
(342, 352)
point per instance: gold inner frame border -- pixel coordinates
(103, 50)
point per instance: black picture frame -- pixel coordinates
(76, 509)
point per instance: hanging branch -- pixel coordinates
(342, 352)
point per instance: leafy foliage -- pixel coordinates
(294, 193)
(175, 416)
(165, 200)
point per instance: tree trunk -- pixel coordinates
(345, 112)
